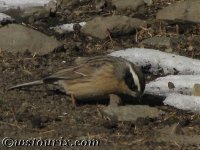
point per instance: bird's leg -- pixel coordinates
(115, 100)
(73, 101)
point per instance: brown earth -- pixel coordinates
(45, 112)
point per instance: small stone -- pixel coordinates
(157, 41)
(171, 85)
(148, 2)
(196, 90)
(114, 100)
(190, 48)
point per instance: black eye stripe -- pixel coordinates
(129, 81)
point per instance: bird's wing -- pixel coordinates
(85, 70)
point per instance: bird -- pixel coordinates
(96, 77)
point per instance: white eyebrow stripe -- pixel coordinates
(135, 78)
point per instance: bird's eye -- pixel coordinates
(130, 82)
(134, 87)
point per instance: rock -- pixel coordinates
(130, 112)
(4, 18)
(183, 10)
(157, 41)
(18, 38)
(127, 4)
(196, 90)
(35, 12)
(101, 27)
(148, 2)
(51, 7)
(171, 85)
(114, 100)
(69, 4)
(99, 4)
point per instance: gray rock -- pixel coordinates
(99, 4)
(69, 3)
(52, 6)
(196, 90)
(18, 38)
(184, 10)
(100, 27)
(127, 4)
(114, 100)
(34, 12)
(38, 12)
(4, 17)
(148, 2)
(157, 41)
(130, 112)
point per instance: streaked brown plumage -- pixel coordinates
(97, 77)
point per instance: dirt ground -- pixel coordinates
(44, 111)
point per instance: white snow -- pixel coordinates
(7, 4)
(183, 84)
(184, 102)
(66, 27)
(4, 17)
(187, 72)
(160, 61)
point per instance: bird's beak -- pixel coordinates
(135, 94)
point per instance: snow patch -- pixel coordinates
(66, 27)
(160, 62)
(7, 4)
(184, 102)
(182, 84)
(4, 17)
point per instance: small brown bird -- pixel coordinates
(97, 77)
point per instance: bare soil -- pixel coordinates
(44, 111)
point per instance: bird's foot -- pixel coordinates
(73, 101)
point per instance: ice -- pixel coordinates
(184, 102)
(66, 27)
(160, 62)
(182, 84)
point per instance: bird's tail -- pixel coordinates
(38, 82)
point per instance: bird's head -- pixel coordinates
(135, 80)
